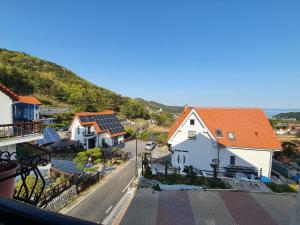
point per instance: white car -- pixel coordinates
(150, 145)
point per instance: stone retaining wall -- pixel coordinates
(62, 200)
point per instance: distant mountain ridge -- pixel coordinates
(57, 86)
(156, 106)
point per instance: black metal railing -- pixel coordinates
(55, 191)
(88, 133)
(28, 166)
(20, 129)
(13, 212)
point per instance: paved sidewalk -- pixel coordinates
(209, 208)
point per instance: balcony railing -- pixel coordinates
(20, 129)
(88, 133)
(28, 165)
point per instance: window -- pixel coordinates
(232, 160)
(219, 133)
(231, 136)
(78, 130)
(192, 122)
(192, 134)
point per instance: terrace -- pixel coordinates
(20, 132)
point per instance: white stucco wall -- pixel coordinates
(9, 148)
(202, 150)
(99, 137)
(5, 109)
(258, 158)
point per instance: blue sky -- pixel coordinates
(204, 53)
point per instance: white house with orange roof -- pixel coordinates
(18, 115)
(235, 137)
(97, 129)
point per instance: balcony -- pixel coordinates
(20, 132)
(88, 133)
(28, 158)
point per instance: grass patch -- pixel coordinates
(280, 188)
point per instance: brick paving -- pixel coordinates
(174, 208)
(281, 207)
(245, 210)
(209, 208)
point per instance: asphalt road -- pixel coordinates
(97, 206)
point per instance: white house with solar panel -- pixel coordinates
(97, 129)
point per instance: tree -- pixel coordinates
(30, 182)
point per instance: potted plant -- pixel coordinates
(7, 170)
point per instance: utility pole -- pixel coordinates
(136, 156)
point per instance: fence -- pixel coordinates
(56, 191)
(84, 184)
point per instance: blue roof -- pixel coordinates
(50, 136)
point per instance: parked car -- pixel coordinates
(150, 145)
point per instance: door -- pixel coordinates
(181, 159)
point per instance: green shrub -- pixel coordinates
(156, 187)
(148, 172)
(280, 188)
(217, 184)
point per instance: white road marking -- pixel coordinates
(109, 208)
(127, 185)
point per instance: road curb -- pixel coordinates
(90, 190)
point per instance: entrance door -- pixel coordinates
(181, 159)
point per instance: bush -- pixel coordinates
(280, 188)
(115, 149)
(217, 184)
(190, 172)
(148, 173)
(156, 187)
(82, 157)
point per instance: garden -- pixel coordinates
(95, 159)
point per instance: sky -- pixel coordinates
(201, 53)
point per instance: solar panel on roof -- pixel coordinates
(50, 136)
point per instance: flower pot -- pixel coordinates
(7, 186)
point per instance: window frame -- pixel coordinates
(232, 159)
(193, 122)
(233, 134)
(192, 137)
(219, 131)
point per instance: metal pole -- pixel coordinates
(136, 169)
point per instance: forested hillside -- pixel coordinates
(156, 106)
(56, 85)
(289, 115)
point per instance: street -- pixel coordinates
(97, 206)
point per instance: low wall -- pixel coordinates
(62, 200)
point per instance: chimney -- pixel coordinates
(185, 107)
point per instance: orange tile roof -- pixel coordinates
(250, 126)
(9, 92)
(179, 121)
(29, 100)
(94, 123)
(24, 99)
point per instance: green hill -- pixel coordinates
(58, 86)
(156, 106)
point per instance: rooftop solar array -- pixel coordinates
(108, 122)
(50, 136)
